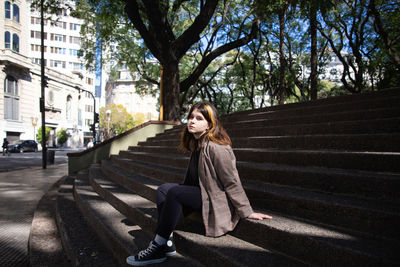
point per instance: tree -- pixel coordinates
(118, 122)
(347, 29)
(386, 21)
(311, 9)
(172, 32)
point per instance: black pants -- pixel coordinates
(170, 200)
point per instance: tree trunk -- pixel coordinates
(314, 74)
(281, 94)
(170, 95)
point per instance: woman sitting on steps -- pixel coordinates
(212, 186)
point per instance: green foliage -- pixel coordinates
(250, 76)
(62, 136)
(120, 120)
(39, 134)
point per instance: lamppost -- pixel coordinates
(34, 123)
(108, 117)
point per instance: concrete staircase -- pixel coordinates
(328, 171)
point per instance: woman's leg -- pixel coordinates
(170, 199)
(162, 191)
(171, 206)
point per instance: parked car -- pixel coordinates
(23, 146)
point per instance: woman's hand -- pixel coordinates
(259, 216)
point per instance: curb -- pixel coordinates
(44, 245)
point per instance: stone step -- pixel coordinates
(354, 142)
(80, 242)
(120, 234)
(226, 250)
(363, 215)
(390, 125)
(343, 211)
(354, 160)
(355, 106)
(305, 240)
(344, 102)
(339, 116)
(370, 185)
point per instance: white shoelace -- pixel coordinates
(148, 250)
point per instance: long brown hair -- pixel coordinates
(216, 134)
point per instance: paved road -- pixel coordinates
(18, 161)
(23, 182)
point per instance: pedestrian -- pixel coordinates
(211, 186)
(5, 147)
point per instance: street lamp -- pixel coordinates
(108, 117)
(34, 123)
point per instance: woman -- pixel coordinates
(212, 186)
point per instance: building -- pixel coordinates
(121, 91)
(69, 103)
(62, 44)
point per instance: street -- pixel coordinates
(18, 161)
(23, 182)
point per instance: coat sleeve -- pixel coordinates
(224, 162)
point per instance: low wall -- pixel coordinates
(82, 160)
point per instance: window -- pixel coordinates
(68, 108)
(74, 52)
(79, 117)
(60, 24)
(15, 13)
(36, 34)
(11, 99)
(37, 21)
(89, 81)
(57, 37)
(88, 108)
(74, 26)
(7, 8)
(75, 66)
(74, 40)
(57, 64)
(7, 42)
(15, 43)
(38, 60)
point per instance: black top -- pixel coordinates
(192, 176)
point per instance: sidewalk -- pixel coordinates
(20, 192)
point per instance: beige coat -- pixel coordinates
(224, 199)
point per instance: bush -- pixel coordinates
(62, 136)
(39, 134)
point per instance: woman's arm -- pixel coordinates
(224, 162)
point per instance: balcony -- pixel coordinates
(11, 58)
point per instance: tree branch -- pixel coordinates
(189, 81)
(192, 34)
(132, 9)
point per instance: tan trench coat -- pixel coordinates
(222, 193)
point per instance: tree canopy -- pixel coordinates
(246, 54)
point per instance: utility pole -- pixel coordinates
(43, 85)
(95, 115)
(161, 94)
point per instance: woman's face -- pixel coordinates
(197, 124)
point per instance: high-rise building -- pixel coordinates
(68, 96)
(61, 49)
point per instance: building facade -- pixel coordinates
(122, 91)
(68, 96)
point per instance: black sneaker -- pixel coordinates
(170, 249)
(153, 254)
